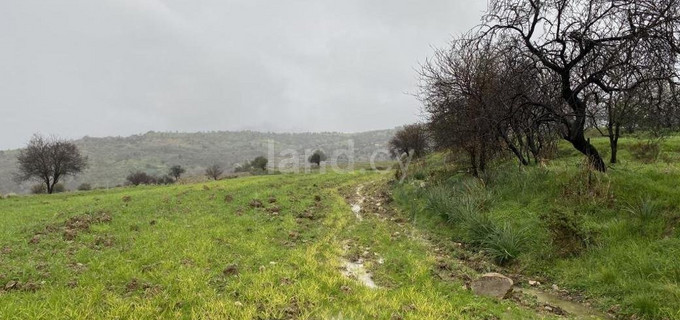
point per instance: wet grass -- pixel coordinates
(267, 247)
(614, 237)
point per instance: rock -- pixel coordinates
(555, 287)
(534, 283)
(492, 285)
(11, 285)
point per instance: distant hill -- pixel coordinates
(111, 159)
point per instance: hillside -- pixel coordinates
(266, 247)
(111, 159)
(611, 239)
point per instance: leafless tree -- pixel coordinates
(49, 160)
(214, 171)
(584, 44)
(411, 140)
(479, 101)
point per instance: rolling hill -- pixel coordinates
(111, 159)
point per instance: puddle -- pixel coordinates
(576, 310)
(356, 270)
(356, 206)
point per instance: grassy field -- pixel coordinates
(612, 239)
(267, 247)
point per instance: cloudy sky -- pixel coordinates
(121, 67)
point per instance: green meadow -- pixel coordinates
(265, 247)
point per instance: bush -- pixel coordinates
(39, 189)
(59, 188)
(259, 163)
(85, 187)
(569, 235)
(139, 177)
(646, 152)
(166, 179)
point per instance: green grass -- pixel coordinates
(202, 251)
(615, 238)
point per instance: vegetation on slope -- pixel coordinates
(112, 159)
(268, 247)
(613, 237)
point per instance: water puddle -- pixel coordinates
(578, 311)
(356, 270)
(356, 206)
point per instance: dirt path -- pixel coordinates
(360, 198)
(356, 269)
(533, 297)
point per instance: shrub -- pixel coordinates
(166, 179)
(39, 189)
(569, 235)
(646, 152)
(59, 188)
(139, 177)
(419, 175)
(259, 163)
(85, 187)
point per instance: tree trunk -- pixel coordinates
(473, 162)
(514, 150)
(584, 146)
(614, 142)
(577, 127)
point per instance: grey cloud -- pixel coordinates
(119, 67)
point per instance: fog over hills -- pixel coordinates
(111, 159)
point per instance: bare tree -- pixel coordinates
(214, 171)
(583, 44)
(49, 160)
(411, 140)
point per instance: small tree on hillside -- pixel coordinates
(214, 171)
(411, 140)
(317, 157)
(49, 160)
(176, 171)
(260, 163)
(139, 177)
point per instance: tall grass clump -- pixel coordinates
(645, 211)
(503, 242)
(441, 201)
(645, 151)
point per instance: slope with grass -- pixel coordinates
(111, 159)
(268, 247)
(612, 239)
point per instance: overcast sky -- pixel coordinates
(121, 67)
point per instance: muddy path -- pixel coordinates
(373, 199)
(355, 268)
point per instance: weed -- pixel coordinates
(645, 151)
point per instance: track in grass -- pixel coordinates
(263, 247)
